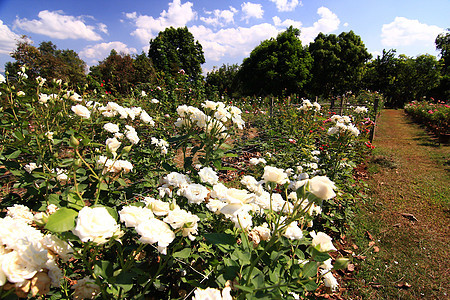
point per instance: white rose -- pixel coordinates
(208, 175)
(329, 280)
(158, 207)
(95, 224)
(43, 98)
(81, 111)
(322, 187)
(85, 289)
(276, 175)
(132, 216)
(180, 218)
(293, 232)
(132, 137)
(146, 118)
(155, 101)
(156, 231)
(207, 294)
(110, 127)
(112, 144)
(15, 268)
(195, 193)
(57, 246)
(323, 241)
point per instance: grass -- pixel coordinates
(409, 180)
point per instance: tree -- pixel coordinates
(443, 45)
(174, 50)
(382, 72)
(144, 70)
(277, 66)
(49, 62)
(117, 71)
(338, 63)
(224, 81)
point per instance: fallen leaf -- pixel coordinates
(361, 257)
(376, 249)
(403, 285)
(409, 216)
(369, 235)
(351, 267)
(371, 243)
(354, 246)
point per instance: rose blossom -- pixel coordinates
(323, 241)
(110, 127)
(322, 187)
(85, 289)
(134, 215)
(81, 111)
(156, 231)
(95, 224)
(276, 175)
(207, 175)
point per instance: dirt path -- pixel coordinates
(409, 214)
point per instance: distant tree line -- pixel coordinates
(331, 66)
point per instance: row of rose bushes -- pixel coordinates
(436, 116)
(128, 200)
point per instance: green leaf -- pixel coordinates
(341, 263)
(183, 253)
(103, 268)
(244, 288)
(75, 201)
(125, 281)
(220, 238)
(14, 155)
(310, 285)
(62, 220)
(317, 255)
(310, 269)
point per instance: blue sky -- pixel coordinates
(227, 30)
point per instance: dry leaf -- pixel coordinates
(403, 285)
(371, 243)
(376, 249)
(409, 216)
(369, 235)
(351, 267)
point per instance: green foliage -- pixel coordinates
(49, 62)
(402, 78)
(174, 50)
(278, 66)
(117, 72)
(338, 63)
(223, 81)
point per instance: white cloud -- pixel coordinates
(8, 39)
(95, 53)
(405, 32)
(345, 24)
(240, 41)
(232, 42)
(286, 5)
(327, 23)
(220, 17)
(251, 10)
(375, 54)
(103, 28)
(57, 25)
(286, 23)
(178, 15)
